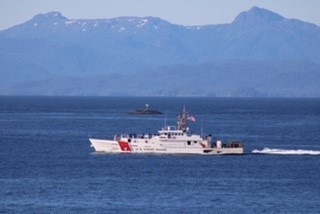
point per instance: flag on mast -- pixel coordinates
(191, 118)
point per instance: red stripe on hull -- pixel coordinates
(124, 146)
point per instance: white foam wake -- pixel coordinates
(286, 151)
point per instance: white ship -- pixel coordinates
(168, 140)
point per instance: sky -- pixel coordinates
(182, 12)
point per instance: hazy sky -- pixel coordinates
(184, 12)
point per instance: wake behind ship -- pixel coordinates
(168, 140)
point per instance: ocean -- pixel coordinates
(48, 166)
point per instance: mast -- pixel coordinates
(182, 120)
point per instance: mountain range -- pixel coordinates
(260, 54)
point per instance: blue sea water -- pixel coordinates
(48, 166)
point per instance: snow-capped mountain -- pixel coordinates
(50, 49)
